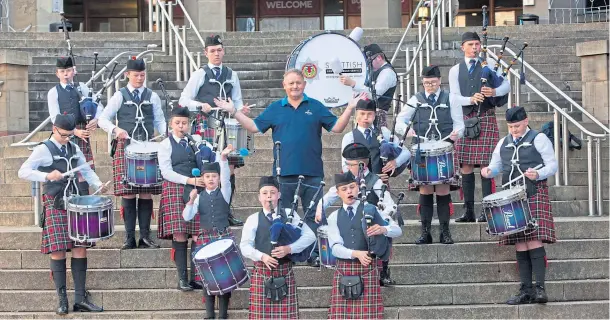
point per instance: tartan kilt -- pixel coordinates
(369, 305)
(84, 145)
(263, 308)
(478, 151)
(204, 237)
(169, 218)
(119, 170)
(540, 208)
(55, 235)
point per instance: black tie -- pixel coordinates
(350, 212)
(473, 64)
(270, 216)
(517, 140)
(136, 96)
(184, 144)
(63, 151)
(367, 135)
(69, 87)
(432, 98)
(217, 72)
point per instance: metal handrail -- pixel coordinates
(404, 35)
(188, 18)
(429, 26)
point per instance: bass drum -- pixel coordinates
(316, 55)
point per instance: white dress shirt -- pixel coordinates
(335, 241)
(165, 161)
(107, 118)
(331, 197)
(190, 210)
(385, 80)
(53, 104)
(248, 236)
(455, 95)
(457, 116)
(542, 144)
(348, 138)
(41, 157)
(197, 79)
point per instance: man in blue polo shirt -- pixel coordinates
(297, 122)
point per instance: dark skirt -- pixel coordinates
(263, 308)
(369, 305)
(170, 220)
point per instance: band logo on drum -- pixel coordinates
(310, 70)
(346, 67)
(508, 218)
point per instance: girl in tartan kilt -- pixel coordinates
(519, 152)
(272, 262)
(136, 122)
(212, 205)
(65, 98)
(476, 100)
(358, 237)
(47, 163)
(436, 119)
(177, 159)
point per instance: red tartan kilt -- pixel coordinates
(170, 219)
(540, 208)
(84, 145)
(478, 151)
(369, 305)
(119, 169)
(55, 235)
(203, 238)
(263, 308)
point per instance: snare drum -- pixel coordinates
(315, 55)
(242, 141)
(507, 212)
(436, 165)
(90, 218)
(142, 165)
(327, 258)
(221, 266)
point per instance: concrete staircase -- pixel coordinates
(470, 279)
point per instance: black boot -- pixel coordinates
(385, 280)
(180, 260)
(525, 275)
(426, 210)
(81, 297)
(129, 216)
(540, 295)
(524, 296)
(443, 208)
(223, 306)
(58, 272)
(197, 285)
(538, 259)
(468, 189)
(145, 211)
(210, 301)
(486, 186)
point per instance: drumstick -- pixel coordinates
(67, 173)
(134, 140)
(102, 187)
(157, 137)
(220, 109)
(521, 176)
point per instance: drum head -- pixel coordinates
(315, 56)
(89, 202)
(432, 146)
(232, 123)
(503, 195)
(143, 147)
(214, 248)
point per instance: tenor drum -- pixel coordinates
(236, 135)
(206, 128)
(327, 258)
(90, 218)
(436, 164)
(315, 57)
(507, 212)
(142, 164)
(221, 266)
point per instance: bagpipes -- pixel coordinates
(387, 150)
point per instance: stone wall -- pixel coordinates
(595, 78)
(14, 101)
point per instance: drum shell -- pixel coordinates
(222, 272)
(90, 218)
(436, 166)
(507, 215)
(239, 137)
(142, 167)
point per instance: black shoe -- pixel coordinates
(146, 242)
(482, 217)
(314, 262)
(385, 280)
(426, 237)
(523, 297)
(197, 285)
(540, 295)
(234, 222)
(183, 285)
(86, 306)
(445, 237)
(62, 306)
(130, 243)
(468, 215)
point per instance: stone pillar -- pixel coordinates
(14, 102)
(594, 76)
(208, 15)
(381, 13)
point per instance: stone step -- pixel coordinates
(582, 227)
(557, 310)
(172, 299)
(461, 252)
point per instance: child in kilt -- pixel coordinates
(128, 115)
(532, 149)
(358, 237)
(47, 163)
(65, 98)
(212, 204)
